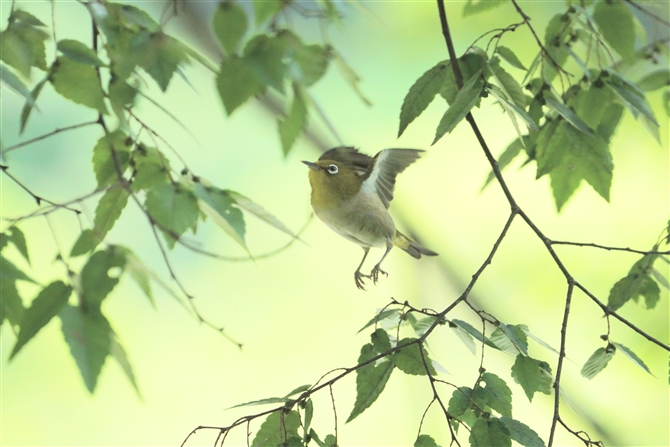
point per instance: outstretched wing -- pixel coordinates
(386, 165)
(349, 157)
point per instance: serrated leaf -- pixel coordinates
(174, 208)
(306, 63)
(108, 211)
(460, 401)
(422, 93)
(16, 237)
(380, 340)
(567, 113)
(162, 57)
(309, 413)
(138, 272)
(532, 375)
(471, 64)
(252, 207)
(79, 52)
(220, 207)
(89, 336)
(370, 380)
(463, 102)
(512, 109)
(25, 18)
(473, 7)
(119, 354)
(384, 314)
(112, 151)
(292, 125)
(508, 84)
(617, 25)
(628, 353)
(264, 57)
(22, 43)
(409, 359)
(230, 25)
(85, 243)
(467, 327)
(30, 105)
(597, 362)
(421, 326)
(510, 339)
(299, 390)
(499, 396)
(425, 441)
(522, 433)
(236, 83)
(16, 84)
(466, 338)
(78, 82)
(95, 278)
(11, 305)
(11, 273)
(265, 10)
(44, 307)
(266, 401)
(510, 57)
(630, 95)
(538, 339)
(121, 95)
(632, 286)
(151, 168)
(662, 280)
(277, 428)
(489, 432)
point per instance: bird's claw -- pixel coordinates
(358, 278)
(374, 274)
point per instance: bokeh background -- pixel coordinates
(297, 313)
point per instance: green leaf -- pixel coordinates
(472, 63)
(44, 307)
(309, 413)
(533, 375)
(264, 56)
(662, 280)
(508, 84)
(655, 80)
(464, 101)
(138, 272)
(236, 83)
(299, 390)
(630, 95)
(632, 286)
(489, 432)
(609, 122)
(460, 401)
(79, 52)
(409, 359)
(277, 428)
(537, 339)
(521, 433)
(632, 356)
(466, 338)
(510, 57)
(266, 401)
(422, 93)
(16, 237)
(220, 207)
(381, 316)
(248, 205)
(11, 273)
(119, 354)
(266, 9)
(86, 242)
(473, 7)
(467, 327)
(510, 339)
(121, 95)
(22, 43)
(151, 168)
(112, 151)
(230, 25)
(28, 107)
(11, 305)
(78, 82)
(370, 380)
(617, 25)
(598, 361)
(380, 340)
(16, 84)
(174, 208)
(509, 154)
(567, 113)
(161, 58)
(499, 394)
(307, 63)
(512, 109)
(425, 441)
(89, 336)
(292, 125)
(95, 278)
(108, 211)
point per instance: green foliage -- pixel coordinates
(637, 283)
(510, 57)
(100, 275)
(230, 26)
(222, 209)
(629, 354)
(22, 42)
(295, 121)
(473, 7)
(413, 359)
(425, 441)
(617, 25)
(499, 396)
(488, 432)
(598, 361)
(533, 375)
(422, 93)
(465, 100)
(30, 104)
(510, 338)
(44, 307)
(13, 82)
(79, 52)
(279, 428)
(174, 208)
(78, 81)
(111, 155)
(521, 433)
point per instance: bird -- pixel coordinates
(351, 194)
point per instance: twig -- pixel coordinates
(37, 198)
(649, 13)
(605, 247)
(332, 399)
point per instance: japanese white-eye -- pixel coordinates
(351, 193)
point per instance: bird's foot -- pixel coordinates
(374, 274)
(358, 278)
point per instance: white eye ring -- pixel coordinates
(332, 169)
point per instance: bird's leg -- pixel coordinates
(377, 269)
(357, 274)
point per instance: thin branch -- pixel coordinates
(605, 247)
(559, 368)
(37, 198)
(332, 399)
(647, 12)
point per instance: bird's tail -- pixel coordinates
(413, 248)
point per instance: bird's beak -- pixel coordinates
(312, 165)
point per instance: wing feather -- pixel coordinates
(385, 166)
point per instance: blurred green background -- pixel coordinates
(297, 313)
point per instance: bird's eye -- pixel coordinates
(332, 169)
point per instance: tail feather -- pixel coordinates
(413, 248)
